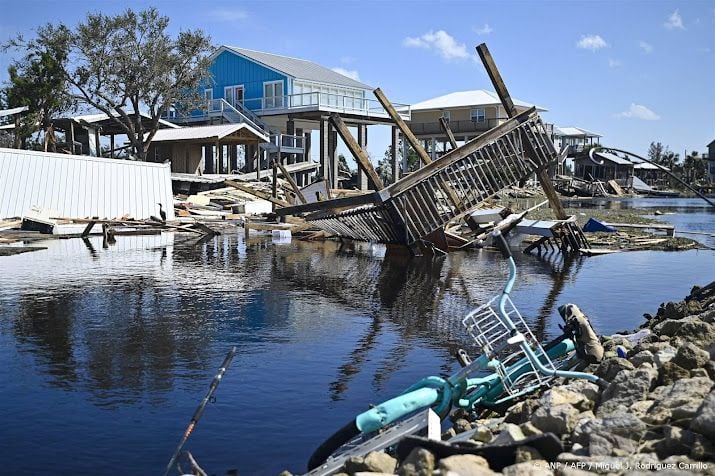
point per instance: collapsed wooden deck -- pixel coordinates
(427, 200)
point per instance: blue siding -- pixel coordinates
(230, 69)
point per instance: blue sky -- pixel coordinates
(634, 71)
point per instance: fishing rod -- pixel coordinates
(200, 409)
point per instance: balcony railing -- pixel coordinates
(323, 101)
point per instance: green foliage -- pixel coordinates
(127, 63)
(37, 81)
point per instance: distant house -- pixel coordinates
(575, 138)
(617, 168)
(287, 98)
(469, 113)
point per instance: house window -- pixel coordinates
(478, 114)
(447, 115)
(273, 94)
(233, 94)
(208, 96)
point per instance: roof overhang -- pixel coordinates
(13, 111)
(225, 133)
(107, 125)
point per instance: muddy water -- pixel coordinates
(106, 352)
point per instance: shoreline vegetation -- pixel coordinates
(656, 414)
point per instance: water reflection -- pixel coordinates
(132, 331)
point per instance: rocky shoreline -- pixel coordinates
(656, 414)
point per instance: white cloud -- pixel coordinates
(647, 47)
(613, 63)
(591, 42)
(638, 111)
(485, 30)
(674, 22)
(351, 73)
(441, 41)
(228, 14)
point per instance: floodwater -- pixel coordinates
(107, 352)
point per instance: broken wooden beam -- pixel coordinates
(290, 180)
(542, 174)
(256, 193)
(360, 155)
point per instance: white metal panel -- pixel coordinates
(79, 186)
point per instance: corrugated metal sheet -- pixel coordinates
(218, 131)
(79, 186)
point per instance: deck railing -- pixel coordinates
(338, 102)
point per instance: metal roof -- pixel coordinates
(15, 110)
(76, 186)
(107, 124)
(477, 97)
(574, 132)
(215, 132)
(613, 158)
(298, 68)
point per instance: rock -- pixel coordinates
(710, 369)
(699, 373)
(527, 453)
(558, 419)
(419, 462)
(626, 388)
(609, 368)
(375, 462)
(664, 355)
(565, 396)
(644, 356)
(683, 397)
(529, 429)
(462, 425)
(285, 473)
(702, 448)
(520, 412)
(700, 333)
(689, 356)
(482, 434)
(465, 465)
(676, 441)
(529, 468)
(704, 422)
(641, 407)
(449, 434)
(510, 433)
(670, 372)
(588, 389)
(606, 444)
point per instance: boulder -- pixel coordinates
(510, 433)
(558, 419)
(644, 356)
(566, 396)
(698, 332)
(689, 356)
(374, 462)
(669, 372)
(704, 421)
(664, 355)
(527, 453)
(529, 468)
(465, 465)
(676, 441)
(520, 412)
(609, 368)
(606, 444)
(529, 429)
(462, 425)
(482, 434)
(626, 388)
(683, 397)
(419, 462)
